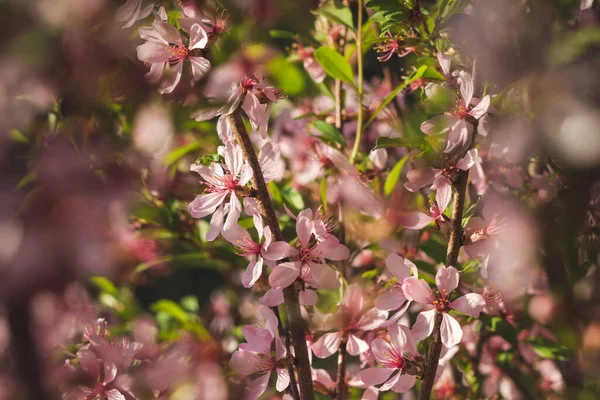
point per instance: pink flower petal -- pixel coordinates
(450, 331)
(389, 300)
(414, 220)
(356, 346)
(257, 387)
(279, 251)
(198, 38)
(372, 319)
(481, 108)
(253, 272)
(284, 274)
(400, 267)
(206, 204)
(466, 87)
(446, 279)
(417, 290)
(244, 362)
(404, 383)
(468, 160)
(324, 276)
(272, 298)
(327, 344)
(283, 379)
(471, 304)
(423, 325)
(438, 124)
(375, 376)
(216, 224)
(444, 61)
(200, 67)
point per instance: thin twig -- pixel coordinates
(359, 87)
(454, 243)
(341, 386)
(295, 322)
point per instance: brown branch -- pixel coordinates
(295, 322)
(341, 386)
(454, 243)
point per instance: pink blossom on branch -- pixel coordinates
(255, 357)
(355, 317)
(446, 281)
(393, 297)
(134, 10)
(166, 52)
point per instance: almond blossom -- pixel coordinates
(399, 358)
(446, 281)
(393, 297)
(222, 182)
(255, 357)
(166, 51)
(134, 10)
(255, 98)
(355, 317)
(437, 178)
(457, 123)
(308, 258)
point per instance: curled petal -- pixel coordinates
(284, 274)
(469, 159)
(481, 108)
(216, 224)
(375, 376)
(450, 331)
(200, 67)
(446, 279)
(471, 304)
(417, 290)
(257, 387)
(356, 346)
(253, 272)
(206, 204)
(466, 87)
(327, 344)
(414, 220)
(283, 379)
(423, 325)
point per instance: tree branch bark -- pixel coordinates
(295, 322)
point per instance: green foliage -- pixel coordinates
(331, 135)
(394, 175)
(335, 12)
(334, 64)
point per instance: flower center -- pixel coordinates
(441, 303)
(461, 110)
(178, 53)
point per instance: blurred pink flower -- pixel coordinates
(310, 253)
(255, 357)
(446, 281)
(397, 356)
(393, 297)
(455, 123)
(356, 317)
(134, 10)
(165, 51)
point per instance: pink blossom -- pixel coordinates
(356, 317)
(255, 358)
(456, 123)
(255, 97)
(398, 357)
(308, 258)
(246, 247)
(446, 281)
(165, 51)
(221, 182)
(134, 10)
(393, 297)
(314, 69)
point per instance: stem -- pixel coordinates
(341, 372)
(454, 243)
(359, 88)
(28, 364)
(296, 323)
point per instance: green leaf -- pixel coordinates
(190, 303)
(292, 198)
(503, 328)
(410, 142)
(281, 34)
(392, 179)
(330, 133)
(275, 193)
(287, 76)
(336, 12)
(323, 193)
(548, 349)
(104, 285)
(180, 152)
(334, 64)
(18, 136)
(371, 274)
(172, 309)
(416, 75)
